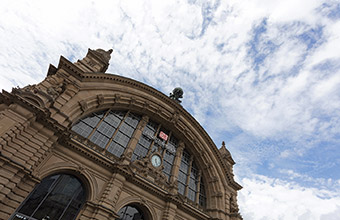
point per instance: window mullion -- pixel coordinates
(69, 203)
(116, 131)
(48, 193)
(188, 176)
(100, 121)
(198, 186)
(153, 141)
(135, 138)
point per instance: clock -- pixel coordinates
(156, 160)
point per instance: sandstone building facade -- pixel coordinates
(83, 144)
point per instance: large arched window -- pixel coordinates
(57, 197)
(131, 212)
(110, 130)
(190, 181)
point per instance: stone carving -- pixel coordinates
(175, 117)
(144, 168)
(233, 205)
(105, 55)
(143, 123)
(29, 88)
(100, 99)
(176, 94)
(83, 105)
(55, 90)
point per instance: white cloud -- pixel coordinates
(265, 198)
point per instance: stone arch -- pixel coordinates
(143, 204)
(120, 93)
(86, 178)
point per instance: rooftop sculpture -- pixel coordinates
(176, 94)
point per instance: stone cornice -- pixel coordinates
(70, 68)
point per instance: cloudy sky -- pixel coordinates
(262, 75)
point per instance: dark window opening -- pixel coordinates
(130, 212)
(58, 197)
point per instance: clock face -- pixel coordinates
(156, 160)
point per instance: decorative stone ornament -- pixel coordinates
(176, 94)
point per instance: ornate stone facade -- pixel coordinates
(39, 140)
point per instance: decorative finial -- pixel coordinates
(105, 55)
(223, 144)
(176, 94)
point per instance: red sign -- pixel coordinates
(163, 135)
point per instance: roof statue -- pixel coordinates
(176, 94)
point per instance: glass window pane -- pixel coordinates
(181, 188)
(193, 184)
(119, 114)
(202, 197)
(130, 213)
(182, 177)
(116, 149)
(75, 205)
(126, 129)
(59, 198)
(202, 201)
(62, 195)
(106, 129)
(133, 120)
(191, 195)
(38, 195)
(91, 120)
(82, 129)
(140, 152)
(113, 120)
(184, 167)
(99, 139)
(169, 157)
(186, 157)
(122, 139)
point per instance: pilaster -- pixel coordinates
(126, 157)
(175, 168)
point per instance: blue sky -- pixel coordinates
(262, 75)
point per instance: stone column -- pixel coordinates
(198, 187)
(175, 168)
(188, 177)
(169, 212)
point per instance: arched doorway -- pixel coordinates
(57, 197)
